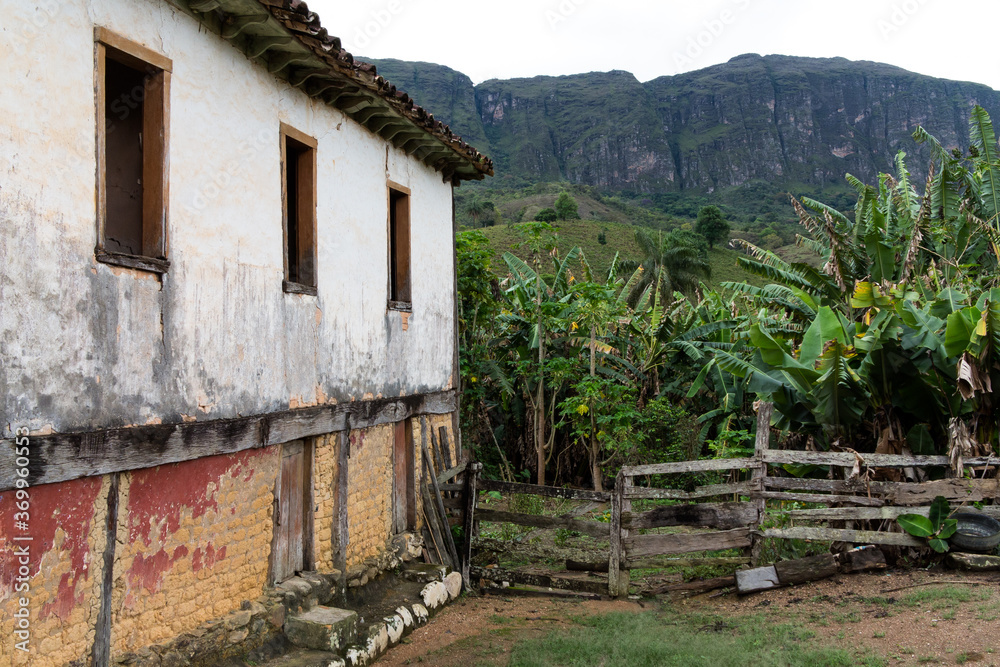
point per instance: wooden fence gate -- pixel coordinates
(734, 513)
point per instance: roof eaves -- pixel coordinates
(288, 39)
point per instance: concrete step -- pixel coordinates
(323, 629)
(306, 658)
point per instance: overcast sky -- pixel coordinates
(518, 38)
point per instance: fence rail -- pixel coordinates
(733, 520)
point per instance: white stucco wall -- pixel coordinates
(85, 345)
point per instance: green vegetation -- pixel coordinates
(936, 528)
(890, 336)
(687, 640)
(566, 207)
(712, 226)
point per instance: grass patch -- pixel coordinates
(938, 598)
(988, 612)
(679, 639)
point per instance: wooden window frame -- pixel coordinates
(306, 210)
(156, 125)
(400, 293)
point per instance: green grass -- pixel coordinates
(938, 598)
(685, 640)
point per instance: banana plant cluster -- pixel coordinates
(894, 338)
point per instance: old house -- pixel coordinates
(227, 314)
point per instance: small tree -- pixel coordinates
(566, 208)
(546, 215)
(475, 209)
(712, 225)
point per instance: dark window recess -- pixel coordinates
(399, 247)
(123, 129)
(300, 212)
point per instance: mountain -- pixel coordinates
(779, 119)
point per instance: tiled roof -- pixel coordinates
(288, 39)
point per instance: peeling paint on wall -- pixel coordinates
(165, 350)
(196, 538)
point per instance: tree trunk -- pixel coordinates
(595, 454)
(540, 402)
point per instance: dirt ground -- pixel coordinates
(909, 617)
(913, 617)
(482, 630)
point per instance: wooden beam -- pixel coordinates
(710, 515)
(534, 489)
(101, 653)
(801, 570)
(690, 466)
(616, 554)
(449, 540)
(699, 492)
(961, 490)
(819, 498)
(468, 521)
(592, 528)
(545, 581)
(654, 545)
(871, 513)
(61, 457)
(762, 442)
(698, 586)
(829, 485)
(845, 535)
(847, 459)
(451, 473)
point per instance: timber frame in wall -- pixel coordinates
(61, 457)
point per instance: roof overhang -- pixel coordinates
(287, 39)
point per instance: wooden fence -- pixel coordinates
(736, 517)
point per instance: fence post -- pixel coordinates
(615, 538)
(764, 411)
(468, 523)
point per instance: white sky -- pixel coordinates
(503, 39)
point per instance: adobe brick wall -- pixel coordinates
(194, 540)
(369, 496)
(193, 543)
(324, 476)
(67, 527)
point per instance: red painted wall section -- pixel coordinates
(166, 503)
(59, 519)
(158, 495)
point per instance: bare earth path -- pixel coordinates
(929, 621)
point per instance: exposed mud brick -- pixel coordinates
(63, 572)
(195, 535)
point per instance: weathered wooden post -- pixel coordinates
(764, 411)
(615, 538)
(468, 523)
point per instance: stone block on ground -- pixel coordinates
(322, 628)
(453, 583)
(420, 614)
(423, 573)
(434, 595)
(974, 562)
(756, 579)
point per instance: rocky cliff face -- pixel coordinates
(779, 118)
